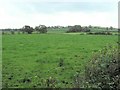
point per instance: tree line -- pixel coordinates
(27, 29)
(43, 29)
(78, 28)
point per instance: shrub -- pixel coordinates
(103, 71)
(18, 32)
(90, 26)
(78, 80)
(12, 32)
(27, 29)
(49, 82)
(99, 33)
(41, 29)
(86, 29)
(3, 32)
(76, 28)
(111, 28)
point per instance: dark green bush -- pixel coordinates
(103, 71)
(27, 29)
(41, 29)
(12, 32)
(78, 28)
(99, 33)
(18, 32)
(3, 32)
(75, 28)
(86, 29)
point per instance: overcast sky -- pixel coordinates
(17, 13)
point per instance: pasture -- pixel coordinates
(30, 60)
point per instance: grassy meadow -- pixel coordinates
(30, 60)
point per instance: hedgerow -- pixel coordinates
(103, 71)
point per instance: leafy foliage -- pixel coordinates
(100, 33)
(76, 28)
(3, 32)
(41, 29)
(104, 71)
(12, 32)
(86, 29)
(50, 82)
(27, 29)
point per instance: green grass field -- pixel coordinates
(29, 60)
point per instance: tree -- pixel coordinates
(90, 26)
(76, 28)
(12, 31)
(41, 29)
(111, 28)
(3, 32)
(107, 28)
(27, 29)
(86, 29)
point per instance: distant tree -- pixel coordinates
(69, 26)
(8, 29)
(19, 30)
(12, 32)
(41, 29)
(76, 28)
(48, 27)
(111, 28)
(107, 28)
(119, 30)
(86, 29)
(27, 29)
(3, 32)
(90, 26)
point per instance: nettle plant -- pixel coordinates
(103, 71)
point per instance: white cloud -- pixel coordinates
(11, 17)
(62, 18)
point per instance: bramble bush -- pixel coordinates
(103, 71)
